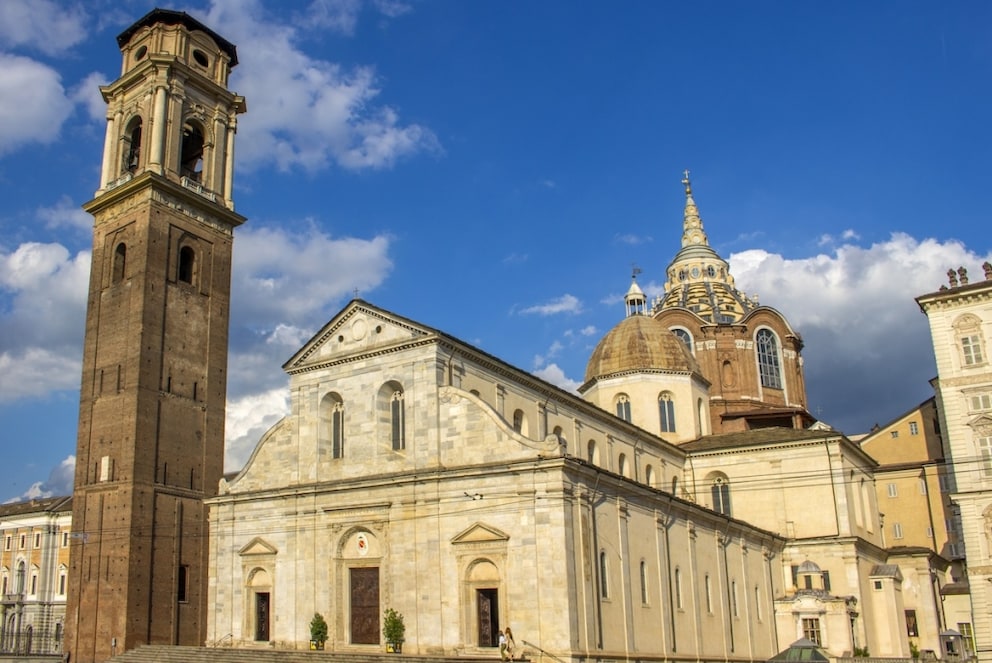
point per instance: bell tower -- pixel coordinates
(150, 444)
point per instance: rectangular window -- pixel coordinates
(24, 540)
(182, 584)
(604, 588)
(964, 628)
(826, 581)
(733, 599)
(985, 452)
(971, 349)
(37, 540)
(757, 601)
(923, 486)
(811, 629)
(62, 584)
(894, 433)
(981, 402)
(893, 490)
(34, 584)
(877, 585)
(4, 589)
(65, 539)
(897, 530)
(914, 428)
(929, 532)
(6, 542)
(709, 595)
(912, 630)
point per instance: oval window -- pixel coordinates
(200, 57)
(140, 53)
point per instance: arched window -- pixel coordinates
(769, 364)
(120, 263)
(684, 336)
(649, 476)
(604, 588)
(666, 409)
(519, 422)
(132, 146)
(19, 579)
(720, 494)
(623, 407)
(191, 156)
(593, 452)
(644, 583)
(332, 424)
(397, 422)
(624, 470)
(187, 264)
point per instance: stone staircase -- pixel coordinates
(168, 654)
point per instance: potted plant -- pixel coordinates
(318, 631)
(393, 630)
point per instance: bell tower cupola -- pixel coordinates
(170, 112)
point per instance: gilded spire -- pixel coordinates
(692, 225)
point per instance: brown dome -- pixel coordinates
(639, 343)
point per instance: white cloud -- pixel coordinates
(868, 352)
(564, 304)
(66, 214)
(41, 325)
(632, 240)
(336, 15)
(552, 373)
(33, 103)
(87, 94)
(60, 482)
(248, 418)
(308, 113)
(290, 277)
(50, 27)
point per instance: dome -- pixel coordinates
(809, 567)
(639, 343)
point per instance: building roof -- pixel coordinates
(49, 504)
(757, 437)
(640, 343)
(171, 17)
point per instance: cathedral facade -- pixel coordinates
(418, 473)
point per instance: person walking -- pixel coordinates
(502, 645)
(511, 644)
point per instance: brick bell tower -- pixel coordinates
(150, 444)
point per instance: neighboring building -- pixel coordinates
(912, 484)
(150, 443)
(960, 316)
(34, 564)
(419, 473)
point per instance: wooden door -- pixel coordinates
(365, 606)
(487, 608)
(262, 610)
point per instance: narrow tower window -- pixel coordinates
(191, 157)
(398, 427)
(120, 262)
(187, 262)
(768, 359)
(666, 408)
(132, 146)
(623, 407)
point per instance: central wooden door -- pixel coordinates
(365, 606)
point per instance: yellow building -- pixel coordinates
(34, 563)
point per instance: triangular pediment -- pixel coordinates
(982, 425)
(481, 533)
(257, 546)
(359, 328)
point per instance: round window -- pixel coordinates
(140, 53)
(200, 57)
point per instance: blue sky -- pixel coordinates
(494, 169)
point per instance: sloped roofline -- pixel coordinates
(172, 17)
